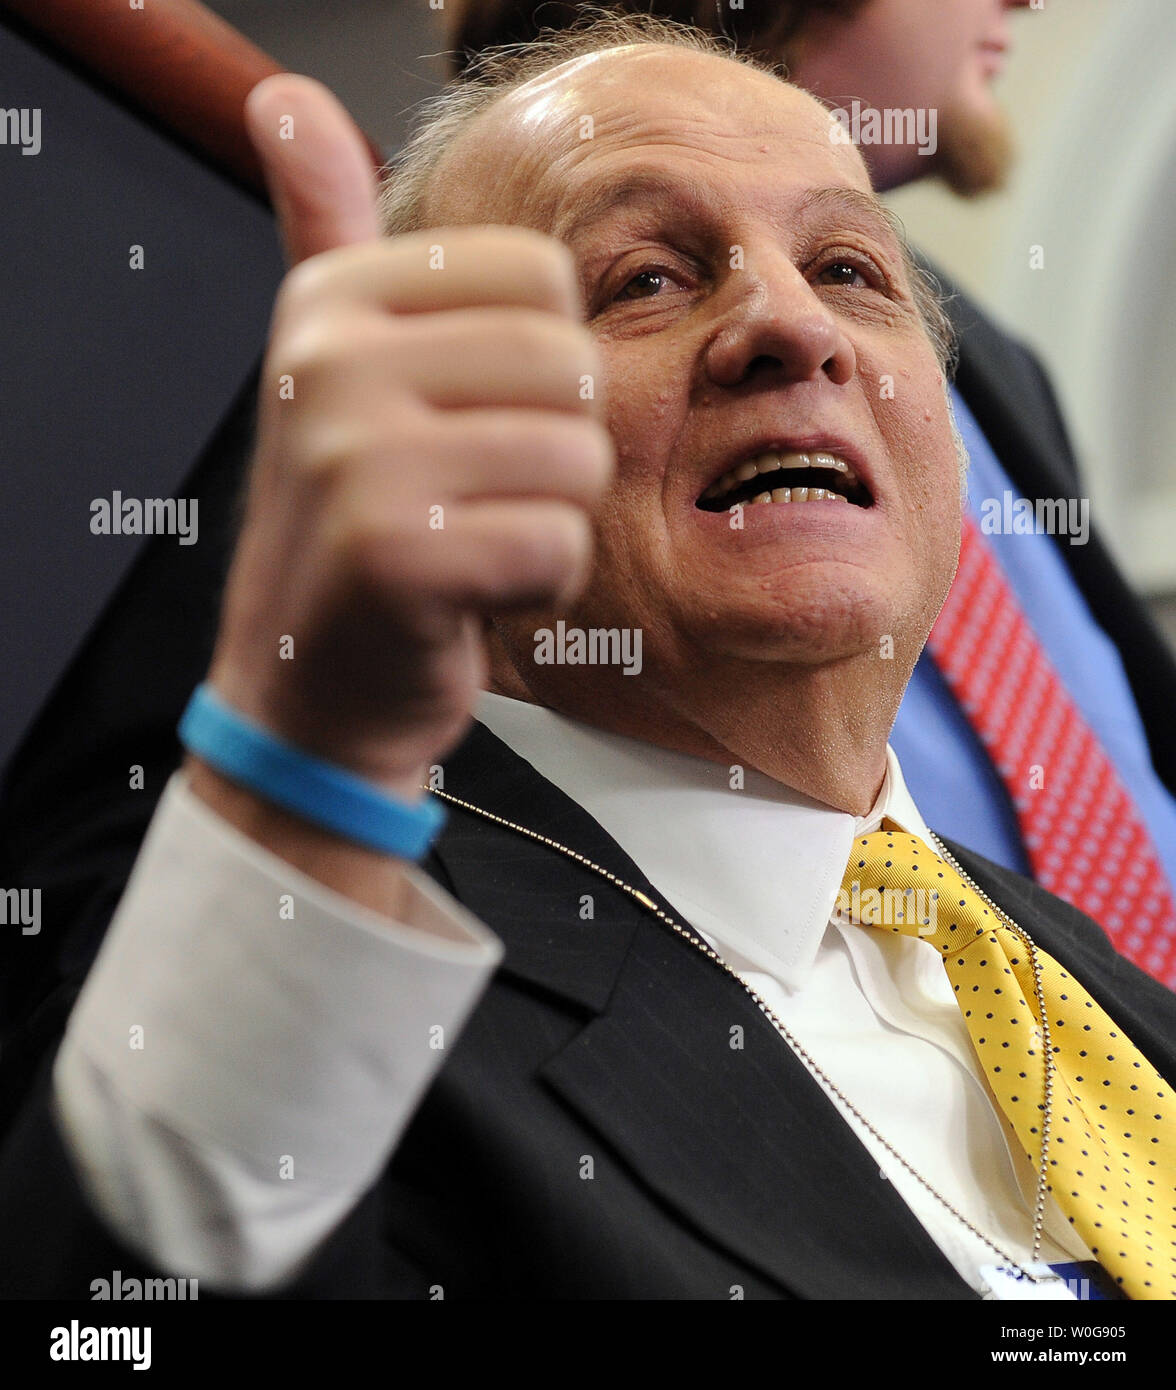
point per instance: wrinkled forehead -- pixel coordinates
(535, 154)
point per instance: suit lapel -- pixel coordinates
(738, 1139)
(528, 893)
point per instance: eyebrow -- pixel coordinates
(639, 186)
(853, 202)
(653, 186)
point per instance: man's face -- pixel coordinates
(751, 304)
(939, 55)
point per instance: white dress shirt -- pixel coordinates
(330, 1021)
(756, 872)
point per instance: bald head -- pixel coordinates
(518, 142)
(614, 107)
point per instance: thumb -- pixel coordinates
(316, 163)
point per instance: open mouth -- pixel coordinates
(786, 478)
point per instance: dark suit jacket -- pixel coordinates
(713, 1168)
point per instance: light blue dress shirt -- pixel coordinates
(946, 768)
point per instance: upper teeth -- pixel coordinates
(769, 463)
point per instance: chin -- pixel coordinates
(809, 624)
(976, 150)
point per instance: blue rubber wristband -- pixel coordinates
(318, 791)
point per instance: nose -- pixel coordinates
(780, 328)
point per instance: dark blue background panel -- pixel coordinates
(111, 378)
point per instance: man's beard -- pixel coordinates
(975, 152)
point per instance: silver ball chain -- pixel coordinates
(830, 1086)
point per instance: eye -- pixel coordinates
(644, 285)
(842, 274)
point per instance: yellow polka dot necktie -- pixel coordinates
(1111, 1146)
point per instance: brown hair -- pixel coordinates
(759, 26)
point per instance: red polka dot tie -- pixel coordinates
(1110, 1140)
(1084, 837)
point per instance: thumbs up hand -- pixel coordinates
(423, 458)
(317, 166)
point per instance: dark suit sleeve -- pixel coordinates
(71, 818)
(55, 1242)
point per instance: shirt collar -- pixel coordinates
(756, 867)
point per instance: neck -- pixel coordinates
(821, 730)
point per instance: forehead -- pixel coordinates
(557, 143)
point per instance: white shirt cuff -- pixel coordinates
(250, 1045)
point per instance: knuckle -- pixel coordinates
(305, 284)
(555, 545)
(304, 353)
(334, 273)
(343, 450)
(335, 346)
(316, 342)
(334, 451)
(368, 548)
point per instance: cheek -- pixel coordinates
(644, 414)
(938, 498)
(914, 47)
(929, 504)
(938, 42)
(920, 434)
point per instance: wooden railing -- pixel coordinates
(175, 60)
